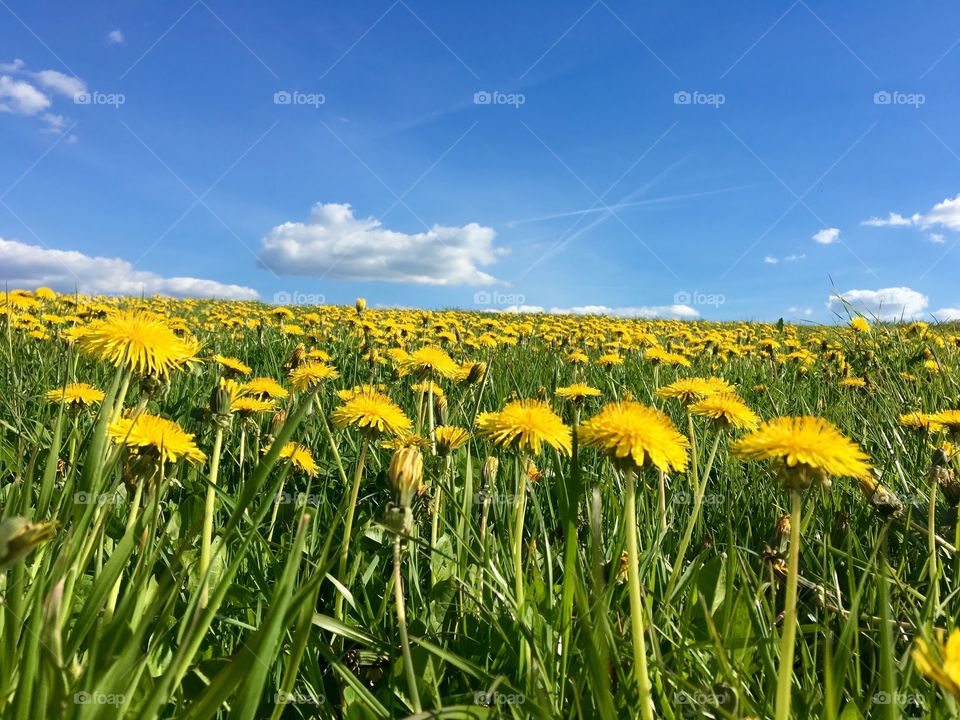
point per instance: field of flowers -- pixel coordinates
(229, 509)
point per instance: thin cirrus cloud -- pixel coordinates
(945, 214)
(335, 244)
(677, 311)
(116, 37)
(893, 304)
(31, 93)
(31, 266)
(771, 260)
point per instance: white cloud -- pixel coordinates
(769, 260)
(827, 236)
(892, 220)
(885, 304)
(947, 314)
(30, 266)
(531, 309)
(335, 244)
(680, 312)
(116, 37)
(806, 312)
(945, 214)
(28, 93)
(937, 238)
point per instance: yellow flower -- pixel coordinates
(406, 440)
(577, 392)
(660, 356)
(250, 405)
(949, 419)
(527, 425)
(155, 435)
(311, 374)
(728, 410)
(853, 382)
(804, 449)
(637, 435)
(299, 456)
(426, 386)
(917, 420)
(232, 364)
(577, 357)
(372, 413)
(944, 667)
(80, 394)
(450, 438)
(349, 394)
(264, 386)
(139, 341)
(860, 324)
(689, 390)
(430, 361)
(609, 360)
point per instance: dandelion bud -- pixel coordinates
(296, 358)
(360, 305)
(18, 536)
(475, 373)
(440, 408)
(277, 421)
(406, 474)
(489, 473)
(220, 405)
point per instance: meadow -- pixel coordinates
(230, 509)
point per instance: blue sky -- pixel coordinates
(669, 159)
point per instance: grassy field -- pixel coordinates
(427, 547)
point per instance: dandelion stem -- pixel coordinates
(348, 527)
(206, 540)
(789, 635)
(402, 624)
(641, 674)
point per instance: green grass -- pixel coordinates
(106, 620)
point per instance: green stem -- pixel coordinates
(206, 540)
(641, 674)
(789, 635)
(402, 624)
(348, 527)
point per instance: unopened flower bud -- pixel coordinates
(406, 474)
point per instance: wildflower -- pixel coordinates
(406, 474)
(728, 410)
(917, 420)
(156, 436)
(232, 365)
(310, 375)
(943, 665)
(299, 456)
(950, 419)
(636, 435)
(430, 361)
(264, 387)
(690, 390)
(450, 438)
(577, 392)
(527, 425)
(247, 406)
(372, 413)
(76, 395)
(860, 324)
(804, 450)
(138, 341)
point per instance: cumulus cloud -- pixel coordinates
(827, 236)
(937, 238)
(677, 312)
(896, 303)
(945, 214)
(30, 266)
(771, 260)
(31, 94)
(335, 244)
(947, 314)
(116, 37)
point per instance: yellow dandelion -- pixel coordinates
(265, 387)
(804, 450)
(943, 666)
(372, 413)
(78, 394)
(138, 341)
(526, 425)
(251, 406)
(577, 392)
(311, 374)
(950, 419)
(232, 364)
(149, 434)
(299, 456)
(450, 438)
(406, 440)
(728, 410)
(689, 390)
(637, 435)
(917, 420)
(430, 361)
